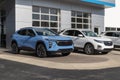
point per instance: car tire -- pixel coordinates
(89, 49)
(14, 48)
(41, 51)
(65, 54)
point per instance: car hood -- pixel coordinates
(99, 38)
(56, 38)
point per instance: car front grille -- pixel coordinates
(65, 50)
(108, 43)
(64, 42)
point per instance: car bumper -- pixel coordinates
(62, 51)
(105, 50)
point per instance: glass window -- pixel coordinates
(118, 29)
(53, 18)
(80, 20)
(86, 26)
(36, 9)
(45, 32)
(117, 34)
(86, 15)
(109, 34)
(113, 29)
(44, 10)
(77, 33)
(89, 33)
(69, 32)
(22, 32)
(55, 30)
(85, 20)
(53, 11)
(44, 24)
(54, 24)
(79, 26)
(73, 19)
(107, 29)
(30, 32)
(73, 25)
(36, 16)
(73, 13)
(44, 17)
(79, 14)
(36, 23)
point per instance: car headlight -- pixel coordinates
(50, 42)
(98, 41)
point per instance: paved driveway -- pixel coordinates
(11, 70)
(74, 61)
(18, 67)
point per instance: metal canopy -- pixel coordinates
(105, 3)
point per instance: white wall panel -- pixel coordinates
(23, 13)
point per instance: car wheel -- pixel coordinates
(41, 51)
(14, 48)
(89, 49)
(66, 54)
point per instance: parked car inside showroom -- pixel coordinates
(114, 36)
(88, 41)
(41, 40)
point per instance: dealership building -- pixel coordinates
(53, 14)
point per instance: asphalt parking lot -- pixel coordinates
(77, 60)
(77, 66)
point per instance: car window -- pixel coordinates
(77, 33)
(30, 32)
(117, 34)
(69, 32)
(109, 34)
(113, 34)
(22, 32)
(90, 33)
(45, 32)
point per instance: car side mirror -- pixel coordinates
(80, 35)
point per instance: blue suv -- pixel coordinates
(41, 40)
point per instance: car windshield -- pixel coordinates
(45, 32)
(89, 33)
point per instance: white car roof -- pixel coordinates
(77, 29)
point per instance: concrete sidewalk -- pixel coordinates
(73, 61)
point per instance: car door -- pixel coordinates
(117, 38)
(69, 33)
(21, 37)
(113, 36)
(30, 40)
(73, 34)
(79, 39)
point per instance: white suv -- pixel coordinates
(114, 36)
(88, 41)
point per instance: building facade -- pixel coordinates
(54, 14)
